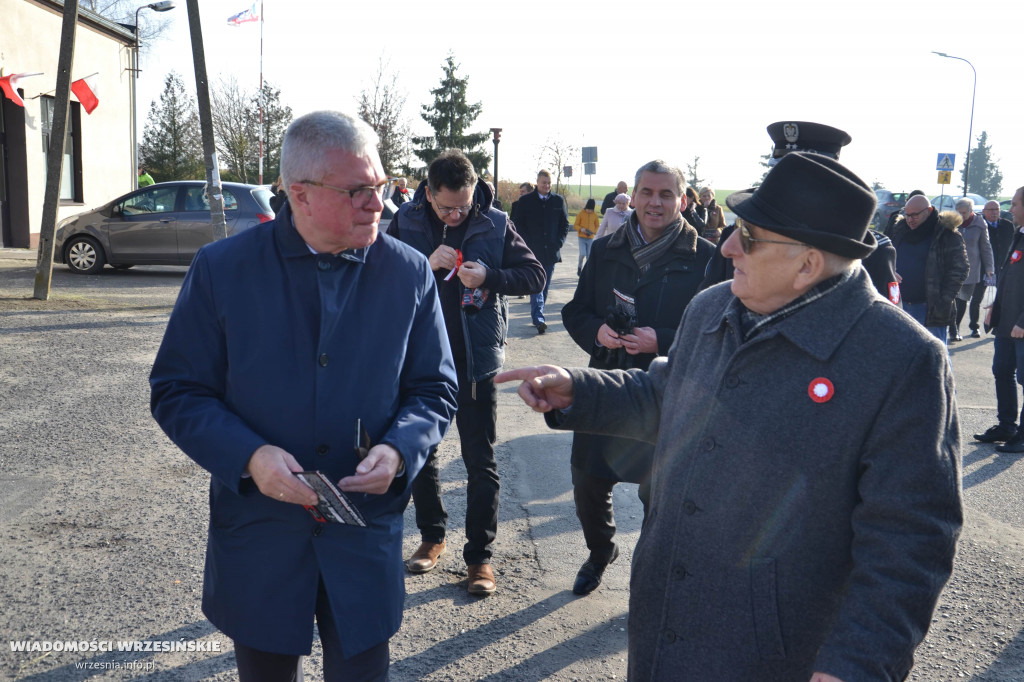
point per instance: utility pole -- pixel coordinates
(497, 139)
(55, 154)
(216, 196)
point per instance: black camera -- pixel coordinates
(620, 321)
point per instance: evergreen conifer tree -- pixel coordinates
(171, 147)
(450, 116)
(984, 176)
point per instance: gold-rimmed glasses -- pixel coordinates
(746, 240)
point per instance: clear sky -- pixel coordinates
(651, 78)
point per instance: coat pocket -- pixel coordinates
(765, 605)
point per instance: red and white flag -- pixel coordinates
(9, 84)
(85, 91)
(245, 16)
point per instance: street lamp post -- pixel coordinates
(161, 6)
(497, 139)
(970, 129)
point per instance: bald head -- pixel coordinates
(917, 211)
(991, 211)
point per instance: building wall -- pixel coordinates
(106, 150)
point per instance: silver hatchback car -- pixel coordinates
(163, 224)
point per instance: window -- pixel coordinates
(71, 171)
(149, 200)
(196, 199)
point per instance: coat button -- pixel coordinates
(708, 443)
(732, 381)
(670, 636)
(318, 530)
(689, 507)
(322, 449)
(324, 360)
(679, 572)
(323, 265)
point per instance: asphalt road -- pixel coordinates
(102, 520)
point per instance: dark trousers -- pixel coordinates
(1008, 370)
(537, 300)
(476, 419)
(975, 307)
(593, 497)
(263, 666)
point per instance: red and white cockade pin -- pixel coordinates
(1015, 256)
(821, 390)
(894, 292)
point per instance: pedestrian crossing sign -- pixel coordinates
(945, 162)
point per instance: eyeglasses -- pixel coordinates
(360, 196)
(746, 240)
(916, 215)
(448, 210)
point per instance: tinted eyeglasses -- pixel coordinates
(746, 240)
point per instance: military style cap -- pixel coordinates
(805, 136)
(815, 200)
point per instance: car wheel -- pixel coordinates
(85, 256)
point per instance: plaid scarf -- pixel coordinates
(753, 323)
(646, 254)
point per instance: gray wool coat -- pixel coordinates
(806, 492)
(980, 259)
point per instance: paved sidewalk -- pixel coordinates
(19, 254)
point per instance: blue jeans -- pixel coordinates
(537, 300)
(1008, 370)
(585, 245)
(919, 311)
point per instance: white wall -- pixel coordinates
(105, 134)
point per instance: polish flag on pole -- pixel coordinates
(245, 16)
(9, 84)
(85, 91)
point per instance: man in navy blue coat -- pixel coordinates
(282, 338)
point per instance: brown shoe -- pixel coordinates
(481, 579)
(425, 558)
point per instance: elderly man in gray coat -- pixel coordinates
(806, 494)
(980, 260)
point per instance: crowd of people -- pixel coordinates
(767, 552)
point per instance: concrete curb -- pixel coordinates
(19, 254)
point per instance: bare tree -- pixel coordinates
(382, 107)
(555, 154)
(235, 128)
(153, 28)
